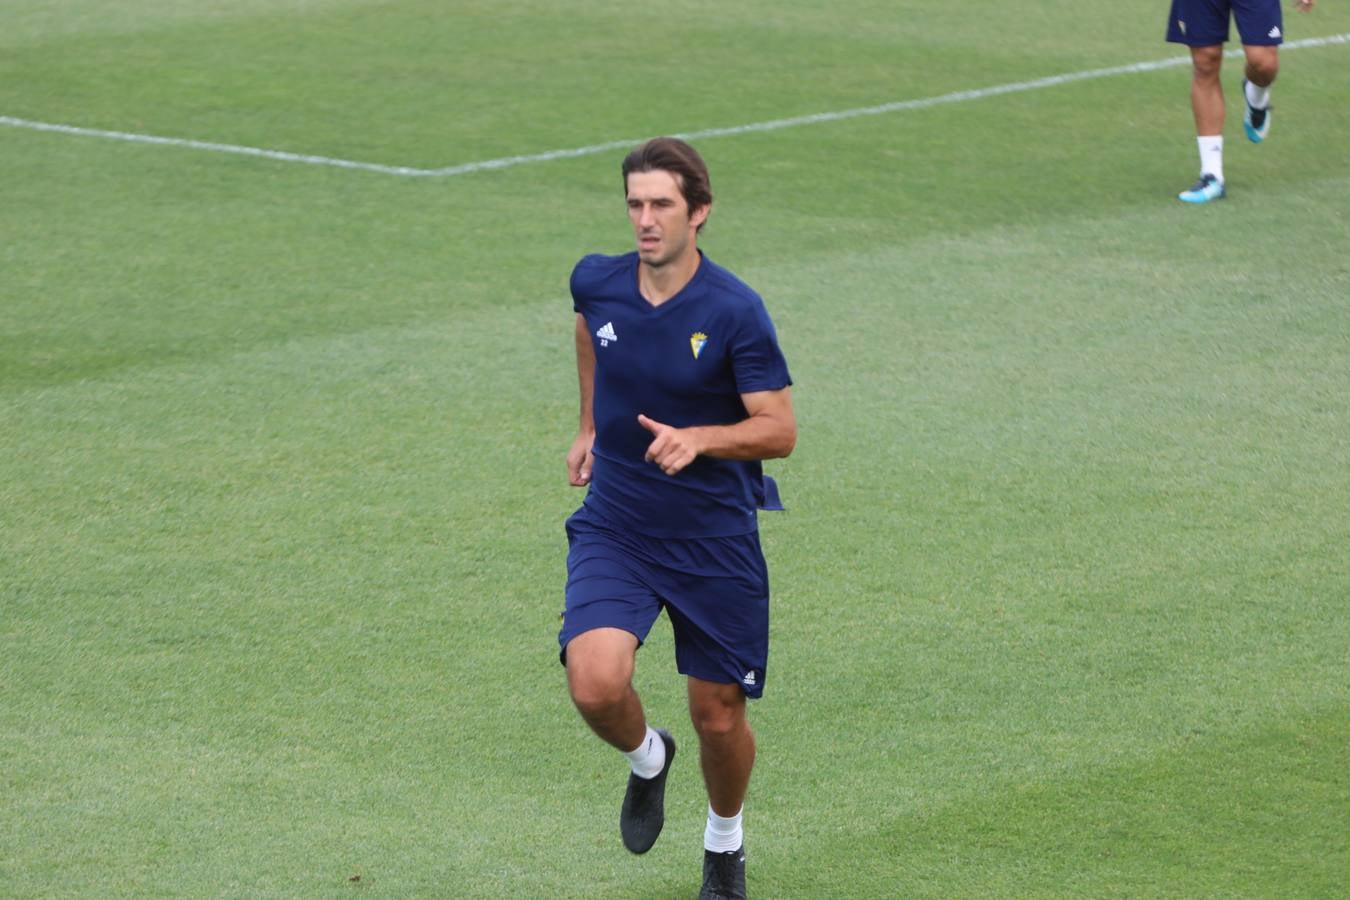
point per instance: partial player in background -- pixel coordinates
(1203, 26)
(683, 391)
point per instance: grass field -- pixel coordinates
(1062, 596)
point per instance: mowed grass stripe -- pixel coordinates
(1112, 352)
(187, 283)
(1251, 813)
(327, 403)
(507, 162)
(237, 81)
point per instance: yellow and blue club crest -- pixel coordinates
(697, 341)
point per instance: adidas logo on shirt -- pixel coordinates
(606, 334)
(1274, 32)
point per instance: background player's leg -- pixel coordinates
(1263, 64)
(1207, 107)
(1206, 90)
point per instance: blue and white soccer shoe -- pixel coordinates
(1206, 189)
(1256, 122)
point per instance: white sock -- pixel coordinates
(1258, 97)
(1211, 155)
(649, 757)
(723, 834)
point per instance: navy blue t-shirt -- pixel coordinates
(683, 363)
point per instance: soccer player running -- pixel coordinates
(1203, 26)
(683, 391)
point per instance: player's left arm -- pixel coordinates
(769, 431)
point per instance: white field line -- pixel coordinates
(772, 125)
(207, 145)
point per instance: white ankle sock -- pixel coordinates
(1211, 155)
(1258, 97)
(649, 757)
(723, 834)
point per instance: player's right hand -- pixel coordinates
(580, 460)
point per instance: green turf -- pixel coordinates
(1062, 598)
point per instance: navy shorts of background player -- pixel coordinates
(689, 543)
(1204, 23)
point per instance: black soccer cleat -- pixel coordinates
(723, 875)
(644, 804)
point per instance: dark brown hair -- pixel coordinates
(673, 155)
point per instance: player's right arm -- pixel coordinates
(579, 459)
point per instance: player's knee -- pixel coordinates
(1262, 64)
(717, 721)
(1205, 74)
(594, 692)
(599, 668)
(597, 698)
(1206, 62)
(1262, 74)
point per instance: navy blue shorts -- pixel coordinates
(1204, 23)
(715, 590)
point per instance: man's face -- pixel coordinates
(662, 223)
